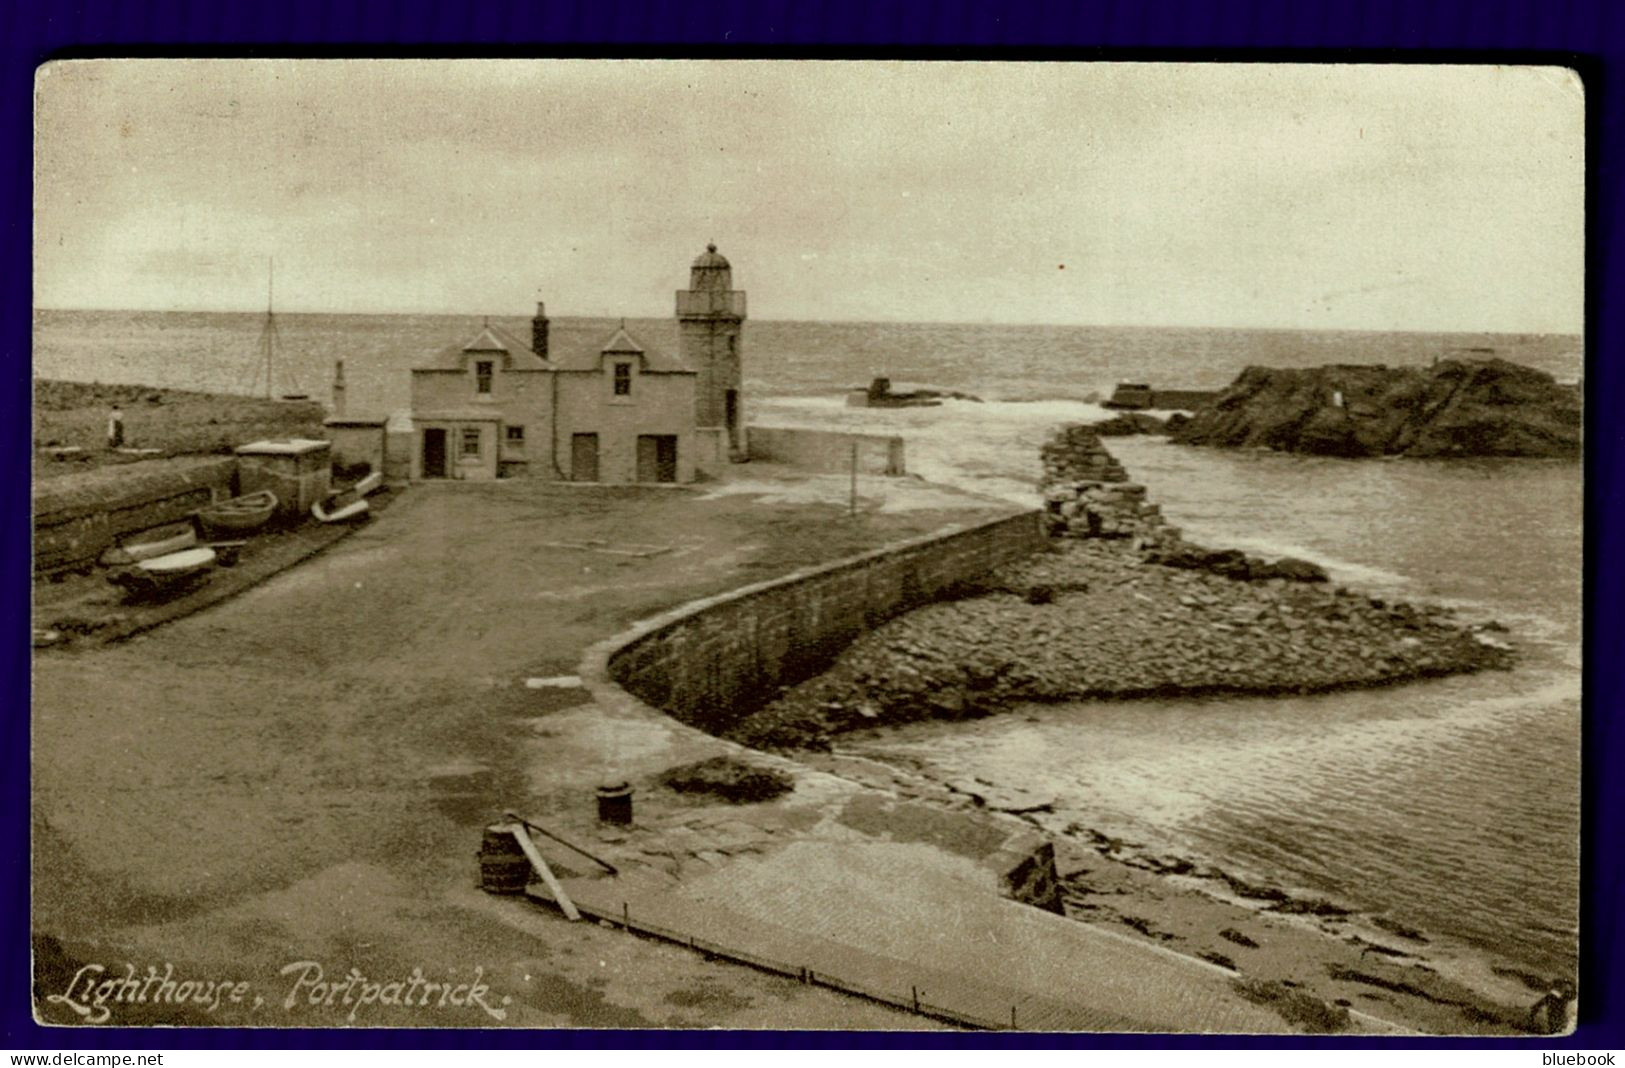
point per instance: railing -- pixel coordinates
(911, 1002)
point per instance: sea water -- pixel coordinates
(1449, 805)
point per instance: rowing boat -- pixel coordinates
(163, 573)
(248, 512)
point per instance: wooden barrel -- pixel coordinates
(504, 868)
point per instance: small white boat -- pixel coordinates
(159, 541)
(177, 565)
(349, 513)
(371, 484)
(162, 573)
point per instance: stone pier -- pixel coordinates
(1087, 493)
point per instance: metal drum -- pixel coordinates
(615, 804)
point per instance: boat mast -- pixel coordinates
(270, 321)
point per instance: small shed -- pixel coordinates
(297, 470)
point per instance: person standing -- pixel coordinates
(115, 428)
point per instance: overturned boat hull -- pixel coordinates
(349, 513)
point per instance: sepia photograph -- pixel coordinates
(811, 545)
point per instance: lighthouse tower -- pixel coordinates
(710, 313)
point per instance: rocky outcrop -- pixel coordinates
(881, 395)
(1235, 564)
(1124, 424)
(1454, 408)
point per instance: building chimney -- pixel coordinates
(538, 331)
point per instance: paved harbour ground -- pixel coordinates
(286, 791)
(301, 773)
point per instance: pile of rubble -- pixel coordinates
(1087, 493)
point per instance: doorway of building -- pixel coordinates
(584, 457)
(434, 453)
(657, 458)
(730, 411)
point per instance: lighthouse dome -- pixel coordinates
(711, 260)
(711, 271)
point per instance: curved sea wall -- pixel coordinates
(1124, 608)
(712, 662)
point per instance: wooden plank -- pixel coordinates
(565, 904)
(533, 825)
(640, 553)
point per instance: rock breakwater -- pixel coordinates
(1122, 607)
(1107, 624)
(1087, 494)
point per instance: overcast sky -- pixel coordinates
(1314, 196)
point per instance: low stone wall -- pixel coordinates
(713, 661)
(827, 450)
(72, 527)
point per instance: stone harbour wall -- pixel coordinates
(72, 527)
(711, 663)
(1087, 493)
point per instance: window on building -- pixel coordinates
(516, 436)
(482, 376)
(623, 380)
(471, 441)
